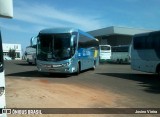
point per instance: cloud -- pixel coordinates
(13, 27)
(47, 16)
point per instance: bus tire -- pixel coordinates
(30, 63)
(121, 61)
(117, 61)
(126, 60)
(78, 68)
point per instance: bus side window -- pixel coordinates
(139, 43)
(149, 43)
(156, 42)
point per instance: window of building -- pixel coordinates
(17, 55)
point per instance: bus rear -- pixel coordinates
(30, 54)
(105, 52)
(120, 54)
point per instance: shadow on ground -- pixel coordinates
(150, 82)
(35, 74)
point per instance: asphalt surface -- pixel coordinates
(141, 89)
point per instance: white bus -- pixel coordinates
(6, 10)
(120, 54)
(145, 52)
(105, 52)
(2, 80)
(66, 50)
(30, 54)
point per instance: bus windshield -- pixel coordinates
(53, 47)
(105, 52)
(105, 47)
(120, 48)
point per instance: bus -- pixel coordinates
(105, 52)
(6, 11)
(30, 54)
(145, 52)
(66, 50)
(2, 79)
(120, 54)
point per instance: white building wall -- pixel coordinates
(16, 47)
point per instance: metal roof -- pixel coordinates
(113, 30)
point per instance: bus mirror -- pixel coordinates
(72, 40)
(1, 65)
(32, 41)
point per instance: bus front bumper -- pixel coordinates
(52, 69)
(2, 105)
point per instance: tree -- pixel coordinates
(12, 53)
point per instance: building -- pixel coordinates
(115, 36)
(16, 47)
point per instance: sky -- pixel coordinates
(31, 16)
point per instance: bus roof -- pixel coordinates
(64, 30)
(148, 33)
(121, 46)
(58, 30)
(104, 45)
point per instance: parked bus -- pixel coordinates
(105, 52)
(2, 79)
(30, 54)
(145, 52)
(66, 50)
(6, 11)
(120, 54)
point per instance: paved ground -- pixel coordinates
(110, 85)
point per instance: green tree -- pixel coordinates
(12, 53)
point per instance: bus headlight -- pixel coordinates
(1, 91)
(66, 64)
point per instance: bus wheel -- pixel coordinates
(78, 69)
(30, 63)
(117, 61)
(126, 60)
(120, 61)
